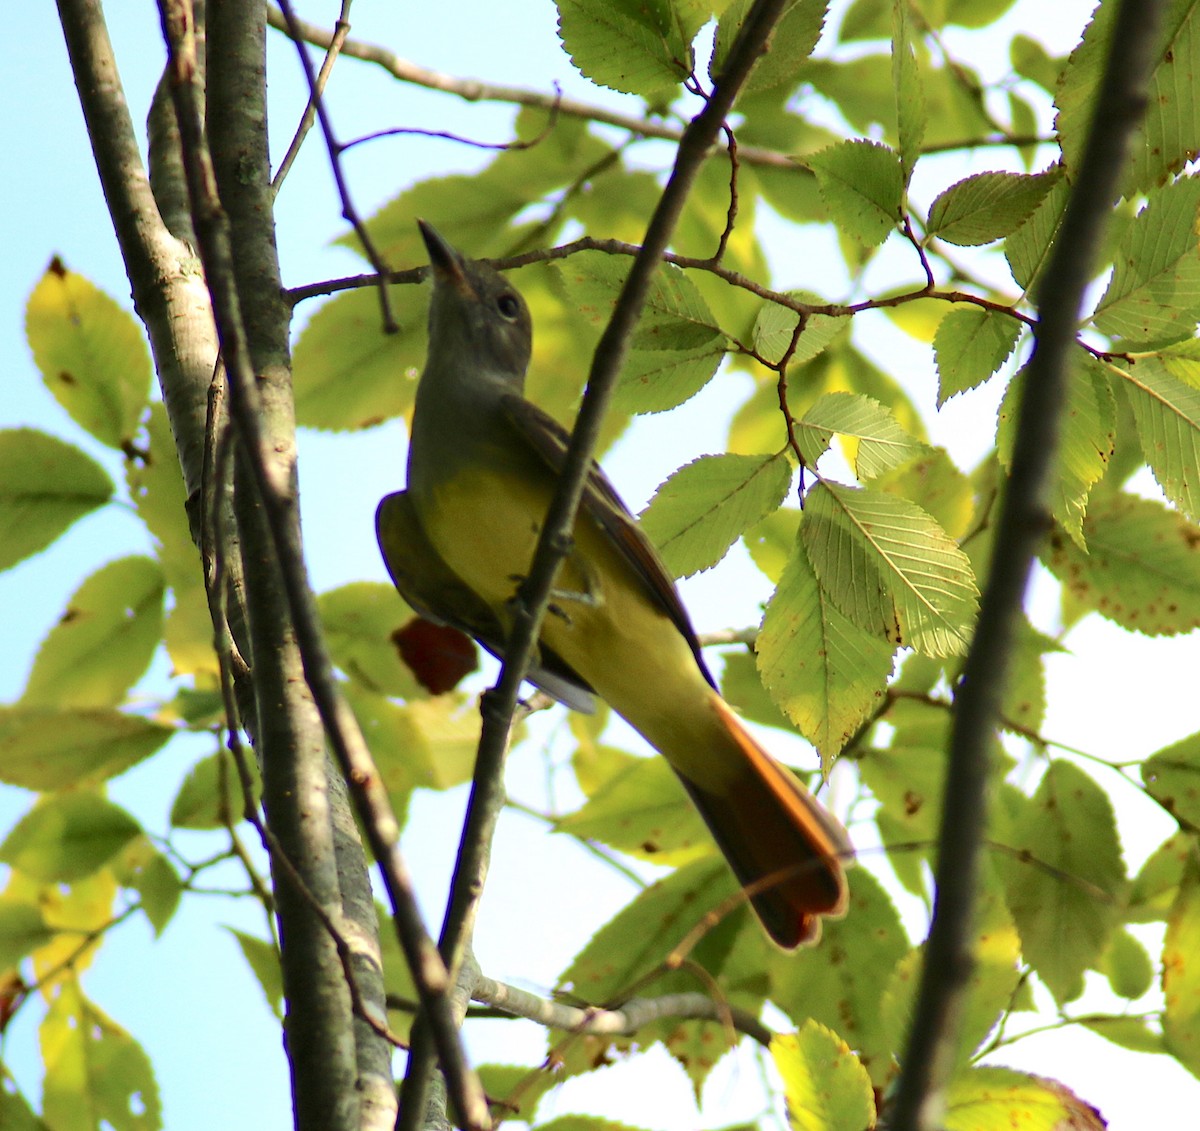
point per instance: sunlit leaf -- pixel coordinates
(970, 345)
(792, 42)
(826, 1086)
(68, 836)
(1166, 410)
(1065, 877)
(1181, 974)
(1168, 136)
(705, 506)
(879, 443)
(46, 749)
(645, 812)
(987, 206)
(1086, 438)
(862, 184)
(97, 1075)
(821, 669)
(928, 586)
(91, 352)
(1142, 568)
(1000, 1099)
(1154, 293)
(103, 641)
(45, 485)
(634, 48)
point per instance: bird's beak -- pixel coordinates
(449, 267)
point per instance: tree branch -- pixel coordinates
(633, 1016)
(1023, 521)
(273, 488)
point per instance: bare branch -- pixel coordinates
(274, 492)
(349, 212)
(627, 1021)
(1024, 519)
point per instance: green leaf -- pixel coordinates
(775, 325)
(994, 978)
(862, 184)
(879, 441)
(92, 354)
(148, 872)
(68, 836)
(821, 669)
(22, 929)
(1130, 1033)
(840, 983)
(359, 621)
(636, 48)
(43, 749)
(1028, 248)
(211, 797)
(45, 485)
(708, 504)
(104, 640)
(263, 959)
(644, 932)
(906, 779)
(1000, 1099)
(1065, 877)
(1181, 973)
(97, 1075)
(927, 579)
(677, 346)
(987, 206)
(910, 94)
(659, 380)
(1169, 134)
(1154, 293)
(15, 1112)
(1172, 778)
(970, 345)
(1127, 966)
(826, 1086)
(934, 482)
(1032, 61)
(1155, 887)
(1087, 437)
(348, 373)
(1142, 568)
(1167, 413)
(643, 811)
(792, 42)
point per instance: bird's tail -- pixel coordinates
(786, 850)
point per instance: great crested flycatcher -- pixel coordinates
(483, 463)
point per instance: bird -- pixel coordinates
(483, 465)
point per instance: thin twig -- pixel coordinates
(476, 90)
(1024, 518)
(428, 970)
(341, 29)
(349, 212)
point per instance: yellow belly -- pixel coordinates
(602, 621)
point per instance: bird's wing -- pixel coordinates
(604, 506)
(436, 592)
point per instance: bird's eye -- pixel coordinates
(508, 306)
